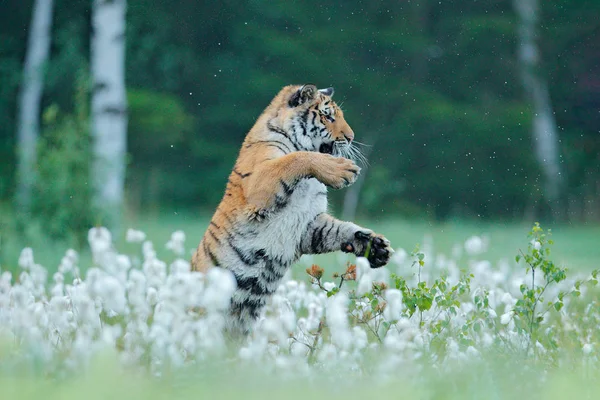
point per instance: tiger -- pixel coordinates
(274, 209)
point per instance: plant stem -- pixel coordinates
(316, 341)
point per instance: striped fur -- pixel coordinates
(275, 202)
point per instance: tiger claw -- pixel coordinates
(379, 250)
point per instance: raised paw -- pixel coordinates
(337, 172)
(374, 247)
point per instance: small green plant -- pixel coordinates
(530, 310)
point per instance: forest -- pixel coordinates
(467, 109)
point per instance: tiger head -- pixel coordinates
(315, 122)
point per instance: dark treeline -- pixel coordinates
(433, 86)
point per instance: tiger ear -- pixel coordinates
(302, 95)
(327, 92)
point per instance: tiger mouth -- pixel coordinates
(326, 148)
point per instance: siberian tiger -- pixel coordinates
(275, 205)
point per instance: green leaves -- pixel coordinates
(528, 318)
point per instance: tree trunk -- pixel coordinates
(29, 102)
(109, 108)
(545, 135)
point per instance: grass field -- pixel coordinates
(106, 379)
(577, 246)
(471, 344)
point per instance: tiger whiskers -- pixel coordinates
(350, 151)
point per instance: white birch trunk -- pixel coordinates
(38, 47)
(545, 135)
(109, 107)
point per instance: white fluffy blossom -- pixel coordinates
(135, 236)
(164, 315)
(475, 245)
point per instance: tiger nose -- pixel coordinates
(349, 136)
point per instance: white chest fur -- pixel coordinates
(282, 231)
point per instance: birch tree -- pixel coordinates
(109, 107)
(38, 47)
(545, 136)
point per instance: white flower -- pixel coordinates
(506, 318)
(177, 243)
(26, 258)
(393, 309)
(134, 236)
(112, 293)
(508, 299)
(100, 239)
(474, 245)
(337, 320)
(587, 348)
(472, 352)
(362, 267)
(399, 257)
(220, 287)
(152, 296)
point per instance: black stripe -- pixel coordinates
(260, 253)
(329, 230)
(321, 193)
(337, 231)
(304, 121)
(271, 274)
(278, 148)
(276, 129)
(214, 236)
(243, 176)
(245, 258)
(280, 201)
(212, 256)
(215, 225)
(273, 143)
(315, 127)
(315, 240)
(246, 282)
(253, 307)
(252, 285)
(320, 241)
(287, 189)
(282, 132)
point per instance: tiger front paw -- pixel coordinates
(337, 172)
(374, 247)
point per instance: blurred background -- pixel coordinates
(479, 117)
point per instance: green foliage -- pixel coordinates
(436, 303)
(160, 128)
(432, 86)
(62, 195)
(527, 316)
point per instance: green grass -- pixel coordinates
(576, 246)
(106, 379)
